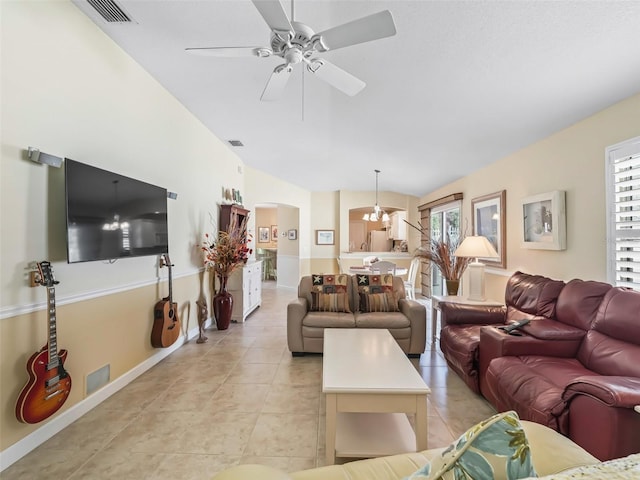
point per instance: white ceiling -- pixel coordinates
(462, 84)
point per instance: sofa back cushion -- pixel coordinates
(579, 301)
(612, 346)
(528, 296)
(327, 284)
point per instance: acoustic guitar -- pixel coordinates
(166, 325)
(49, 383)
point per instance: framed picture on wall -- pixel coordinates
(274, 233)
(325, 237)
(489, 220)
(544, 221)
(292, 234)
(263, 234)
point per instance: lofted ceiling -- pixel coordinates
(461, 84)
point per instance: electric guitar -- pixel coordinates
(49, 383)
(166, 325)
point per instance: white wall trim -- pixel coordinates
(22, 447)
(15, 310)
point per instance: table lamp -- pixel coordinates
(476, 246)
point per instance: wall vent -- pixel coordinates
(98, 379)
(236, 143)
(110, 11)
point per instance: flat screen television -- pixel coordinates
(110, 216)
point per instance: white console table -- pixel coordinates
(245, 284)
(435, 308)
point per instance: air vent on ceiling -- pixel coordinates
(110, 11)
(236, 143)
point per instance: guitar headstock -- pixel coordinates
(46, 274)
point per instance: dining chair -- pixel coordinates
(383, 267)
(410, 283)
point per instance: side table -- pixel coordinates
(435, 308)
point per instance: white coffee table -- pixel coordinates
(370, 386)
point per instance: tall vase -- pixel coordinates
(222, 305)
(452, 287)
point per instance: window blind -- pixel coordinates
(624, 201)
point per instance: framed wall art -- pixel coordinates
(292, 234)
(325, 237)
(263, 234)
(489, 220)
(544, 221)
(274, 233)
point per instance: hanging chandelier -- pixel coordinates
(378, 213)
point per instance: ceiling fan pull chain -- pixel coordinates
(302, 91)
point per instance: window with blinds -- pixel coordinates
(623, 202)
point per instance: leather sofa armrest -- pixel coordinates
(454, 313)
(249, 472)
(613, 391)
(296, 311)
(417, 315)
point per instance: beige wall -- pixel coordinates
(571, 160)
(266, 217)
(70, 91)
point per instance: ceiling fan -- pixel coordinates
(297, 43)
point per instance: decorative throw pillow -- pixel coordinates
(626, 468)
(375, 283)
(494, 449)
(330, 283)
(329, 302)
(378, 302)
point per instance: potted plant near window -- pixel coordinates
(222, 255)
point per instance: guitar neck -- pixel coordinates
(170, 284)
(52, 341)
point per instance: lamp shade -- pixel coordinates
(476, 246)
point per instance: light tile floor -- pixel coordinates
(239, 398)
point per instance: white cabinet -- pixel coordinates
(398, 228)
(245, 284)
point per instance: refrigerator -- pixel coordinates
(378, 241)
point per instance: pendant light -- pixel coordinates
(378, 213)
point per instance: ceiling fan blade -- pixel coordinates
(365, 29)
(277, 81)
(335, 76)
(230, 52)
(274, 14)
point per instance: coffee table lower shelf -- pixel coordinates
(368, 435)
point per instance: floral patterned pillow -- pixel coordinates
(494, 449)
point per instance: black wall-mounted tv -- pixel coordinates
(110, 216)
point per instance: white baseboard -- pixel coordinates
(19, 449)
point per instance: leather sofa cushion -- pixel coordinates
(329, 320)
(578, 302)
(533, 294)
(381, 320)
(533, 386)
(612, 346)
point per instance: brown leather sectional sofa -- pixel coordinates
(575, 367)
